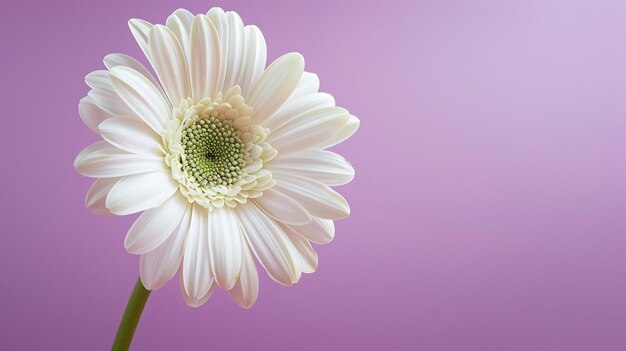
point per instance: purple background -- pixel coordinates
(489, 207)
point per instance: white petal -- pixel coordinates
(295, 107)
(138, 192)
(102, 160)
(324, 166)
(97, 194)
(196, 273)
(246, 290)
(204, 61)
(269, 243)
(282, 207)
(218, 18)
(255, 58)
(318, 199)
(308, 84)
(215, 11)
(193, 301)
(155, 225)
(114, 60)
(109, 102)
(275, 85)
(142, 96)
(319, 231)
(169, 62)
(309, 130)
(159, 266)
(303, 254)
(234, 51)
(132, 135)
(104, 96)
(342, 134)
(140, 30)
(179, 23)
(91, 114)
(98, 79)
(225, 246)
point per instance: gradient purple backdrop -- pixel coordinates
(488, 210)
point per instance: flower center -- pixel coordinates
(213, 153)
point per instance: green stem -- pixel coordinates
(127, 327)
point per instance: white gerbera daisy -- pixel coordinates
(224, 156)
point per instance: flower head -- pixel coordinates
(224, 156)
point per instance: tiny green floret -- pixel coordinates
(213, 153)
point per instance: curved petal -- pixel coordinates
(319, 231)
(142, 96)
(282, 207)
(318, 199)
(196, 272)
(255, 58)
(303, 254)
(159, 266)
(91, 114)
(97, 194)
(246, 290)
(218, 18)
(308, 84)
(235, 51)
(114, 60)
(225, 246)
(155, 225)
(139, 192)
(204, 58)
(103, 94)
(269, 243)
(168, 60)
(192, 301)
(309, 130)
(132, 135)
(324, 166)
(98, 79)
(102, 160)
(140, 30)
(275, 85)
(296, 107)
(342, 134)
(179, 23)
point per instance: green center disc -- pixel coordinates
(213, 153)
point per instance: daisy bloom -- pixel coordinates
(225, 158)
